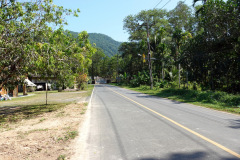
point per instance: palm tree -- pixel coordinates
(180, 38)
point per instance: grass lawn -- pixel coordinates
(35, 104)
(216, 100)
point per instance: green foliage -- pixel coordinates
(97, 60)
(28, 45)
(212, 55)
(221, 98)
(71, 135)
(107, 44)
(134, 82)
(141, 79)
(68, 135)
(61, 157)
(81, 81)
(124, 78)
(104, 66)
(161, 84)
(181, 17)
(201, 49)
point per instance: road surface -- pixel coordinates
(128, 125)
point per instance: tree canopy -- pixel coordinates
(29, 45)
(203, 40)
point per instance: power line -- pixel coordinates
(165, 4)
(158, 4)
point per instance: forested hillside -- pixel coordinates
(106, 43)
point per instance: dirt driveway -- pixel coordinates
(30, 130)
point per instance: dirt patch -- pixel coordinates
(47, 136)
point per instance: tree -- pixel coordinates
(136, 25)
(179, 38)
(181, 17)
(64, 57)
(24, 25)
(216, 47)
(131, 54)
(207, 45)
(97, 58)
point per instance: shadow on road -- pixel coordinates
(186, 156)
(235, 124)
(181, 156)
(142, 95)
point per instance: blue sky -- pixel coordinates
(106, 16)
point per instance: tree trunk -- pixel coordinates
(163, 71)
(179, 78)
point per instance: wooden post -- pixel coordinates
(46, 92)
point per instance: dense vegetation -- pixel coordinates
(189, 47)
(29, 46)
(104, 66)
(106, 43)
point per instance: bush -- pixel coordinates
(194, 86)
(205, 96)
(229, 99)
(173, 85)
(81, 80)
(161, 84)
(221, 98)
(144, 87)
(134, 83)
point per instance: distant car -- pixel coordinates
(39, 87)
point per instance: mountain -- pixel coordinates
(106, 43)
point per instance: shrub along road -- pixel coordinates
(125, 124)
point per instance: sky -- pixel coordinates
(106, 16)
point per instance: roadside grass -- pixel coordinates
(32, 106)
(89, 89)
(61, 157)
(216, 100)
(68, 135)
(54, 97)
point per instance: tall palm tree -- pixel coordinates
(180, 38)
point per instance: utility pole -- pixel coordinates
(117, 69)
(149, 57)
(92, 73)
(149, 53)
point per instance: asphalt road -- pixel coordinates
(129, 125)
